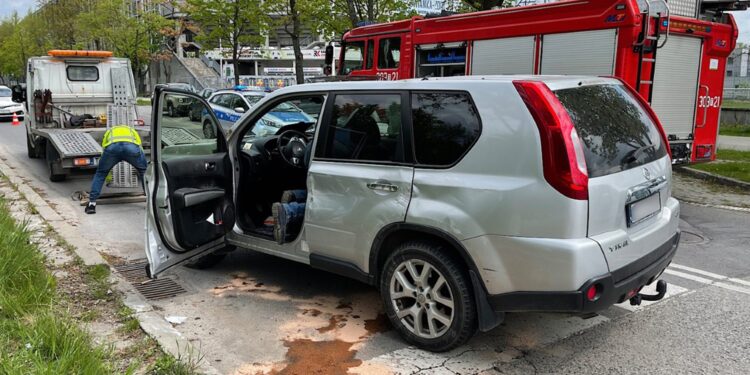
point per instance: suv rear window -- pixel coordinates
(616, 131)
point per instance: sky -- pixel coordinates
(743, 24)
(21, 6)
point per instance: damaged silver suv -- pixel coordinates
(460, 198)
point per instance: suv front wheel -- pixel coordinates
(427, 297)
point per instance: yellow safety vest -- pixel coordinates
(120, 133)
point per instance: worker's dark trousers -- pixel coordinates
(113, 154)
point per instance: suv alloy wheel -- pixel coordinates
(427, 297)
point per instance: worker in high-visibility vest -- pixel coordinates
(120, 143)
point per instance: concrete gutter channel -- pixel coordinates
(169, 339)
(726, 181)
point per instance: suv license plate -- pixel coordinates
(643, 209)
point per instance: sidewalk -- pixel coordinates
(733, 143)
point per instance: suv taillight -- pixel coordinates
(562, 152)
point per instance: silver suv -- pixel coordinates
(459, 198)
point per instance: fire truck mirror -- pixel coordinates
(329, 55)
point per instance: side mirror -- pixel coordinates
(19, 94)
(239, 110)
(329, 55)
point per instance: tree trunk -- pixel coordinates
(350, 7)
(235, 55)
(299, 71)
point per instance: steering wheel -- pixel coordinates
(292, 145)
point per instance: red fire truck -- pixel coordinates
(676, 61)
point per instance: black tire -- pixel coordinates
(464, 317)
(170, 110)
(209, 260)
(208, 130)
(52, 161)
(33, 152)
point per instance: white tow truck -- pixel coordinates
(72, 97)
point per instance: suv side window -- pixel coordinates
(445, 125)
(363, 127)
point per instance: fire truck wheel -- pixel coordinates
(56, 171)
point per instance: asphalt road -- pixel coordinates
(254, 313)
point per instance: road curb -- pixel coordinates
(153, 324)
(727, 181)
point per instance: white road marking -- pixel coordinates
(672, 290)
(700, 272)
(719, 279)
(688, 276)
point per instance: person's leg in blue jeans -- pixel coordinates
(107, 161)
(299, 196)
(113, 154)
(133, 154)
(285, 216)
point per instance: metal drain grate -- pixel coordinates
(135, 273)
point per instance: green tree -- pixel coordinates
(348, 14)
(235, 23)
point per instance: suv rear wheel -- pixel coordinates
(427, 297)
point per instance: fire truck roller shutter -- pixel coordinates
(503, 56)
(676, 84)
(589, 53)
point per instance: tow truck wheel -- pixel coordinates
(32, 151)
(54, 165)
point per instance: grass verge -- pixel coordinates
(37, 337)
(143, 101)
(734, 130)
(729, 163)
(42, 318)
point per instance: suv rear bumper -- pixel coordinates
(616, 287)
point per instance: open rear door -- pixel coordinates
(188, 185)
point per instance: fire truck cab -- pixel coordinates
(673, 55)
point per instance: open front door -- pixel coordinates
(188, 184)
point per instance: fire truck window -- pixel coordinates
(444, 62)
(370, 53)
(389, 53)
(353, 56)
(82, 73)
(364, 127)
(445, 125)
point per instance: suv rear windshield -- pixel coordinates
(616, 131)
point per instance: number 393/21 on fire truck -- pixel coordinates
(673, 55)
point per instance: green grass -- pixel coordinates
(735, 104)
(143, 101)
(729, 163)
(735, 130)
(37, 336)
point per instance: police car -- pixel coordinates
(229, 105)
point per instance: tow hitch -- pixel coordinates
(661, 290)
